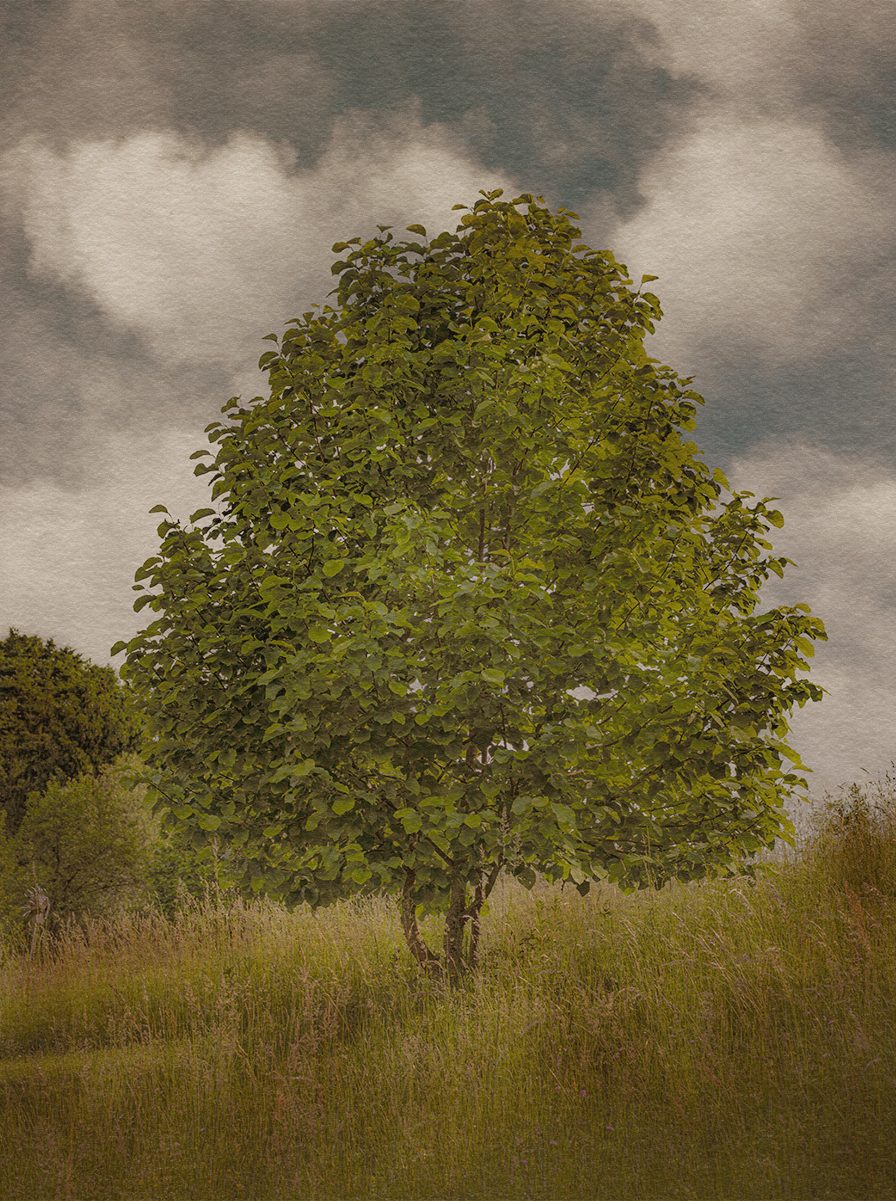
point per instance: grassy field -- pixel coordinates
(714, 1041)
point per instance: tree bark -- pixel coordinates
(458, 953)
(425, 958)
(455, 923)
(483, 888)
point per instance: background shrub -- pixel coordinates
(97, 850)
(854, 840)
(60, 716)
(88, 842)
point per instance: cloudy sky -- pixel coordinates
(173, 174)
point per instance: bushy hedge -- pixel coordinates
(93, 845)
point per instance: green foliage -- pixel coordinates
(854, 838)
(14, 881)
(95, 847)
(475, 605)
(60, 716)
(178, 870)
(87, 841)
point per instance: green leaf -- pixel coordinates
(416, 229)
(343, 805)
(492, 675)
(398, 688)
(159, 509)
(293, 771)
(526, 876)
(555, 361)
(319, 634)
(333, 567)
(410, 819)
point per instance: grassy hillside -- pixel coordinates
(714, 1041)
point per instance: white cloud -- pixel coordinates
(202, 252)
(70, 557)
(166, 240)
(206, 251)
(764, 239)
(840, 530)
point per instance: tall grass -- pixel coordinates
(714, 1041)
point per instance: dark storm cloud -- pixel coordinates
(843, 401)
(578, 101)
(846, 71)
(561, 95)
(79, 70)
(562, 100)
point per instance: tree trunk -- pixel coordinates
(458, 952)
(425, 958)
(455, 922)
(473, 912)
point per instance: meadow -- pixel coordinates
(712, 1041)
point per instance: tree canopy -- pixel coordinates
(60, 716)
(472, 603)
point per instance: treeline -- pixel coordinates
(77, 839)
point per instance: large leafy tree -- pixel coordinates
(471, 603)
(60, 716)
